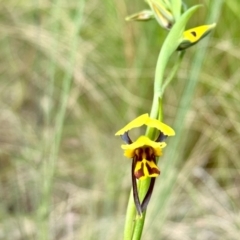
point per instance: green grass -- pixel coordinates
(71, 75)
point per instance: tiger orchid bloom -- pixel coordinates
(143, 153)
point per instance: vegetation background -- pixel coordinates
(72, 73)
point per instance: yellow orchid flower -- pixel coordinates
(144, 150)
(141, 142)
(194, 35)
(143, 153)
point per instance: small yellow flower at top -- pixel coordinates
(144, 151)
(194, 35)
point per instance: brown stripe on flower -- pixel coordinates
(194, 33)
(140, 173)
(152, 170)
(138, 154)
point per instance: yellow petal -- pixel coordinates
(146, 120)
(137, 122)
(194, 35)
(165, 129)
(146, 168)
(140, 142)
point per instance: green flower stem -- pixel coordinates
(139, 223)
(130, 221)
(53, 144)
(139, 228)
(169, 175)
(134, 227)
(169, 47)
(174, 71)
(134, 224)
(176, 8)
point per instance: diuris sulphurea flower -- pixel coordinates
(194, 35)
(144, 153)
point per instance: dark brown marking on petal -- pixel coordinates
(152, 170)
(149, 153)
(135, 158)
(138, 154)
(139, 173)
(194, 33)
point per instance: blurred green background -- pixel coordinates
(72, 73)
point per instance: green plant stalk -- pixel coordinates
(50, 162)
(143, 185)
(169, 175)
(176, 8)
(130, 215)
(44, 181)
(173, 72)
(134, 225)
(169, 46)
